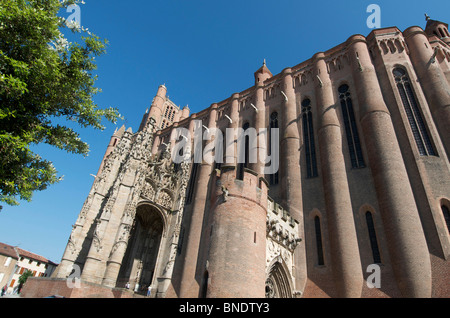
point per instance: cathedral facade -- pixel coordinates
(359, 206)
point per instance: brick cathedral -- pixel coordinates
(364, 178)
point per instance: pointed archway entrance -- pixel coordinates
(139, 263)
(278, 282)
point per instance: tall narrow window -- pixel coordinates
(204, 291)
(351, 130)
(412, 109)
(320, 260)
(446, 214)
(217, 151)
(246, 150)
(373, 238)
(273, 178)
(192, 180)
(308, 139)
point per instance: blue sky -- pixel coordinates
(203, 51)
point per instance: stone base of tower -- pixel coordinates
(45, 287)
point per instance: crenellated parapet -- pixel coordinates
(282, 228)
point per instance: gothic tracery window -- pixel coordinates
(351, 130)
(412, 109)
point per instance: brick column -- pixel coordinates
(260, 123)
(289, 147)
(432, 79)
(291, 185)
(405, 237)
(345, 260)
(190, 287)
(230, 145)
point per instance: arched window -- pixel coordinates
(373, 238)
(319, 246)
(273, 178)
(351, 130)
(415, 119)
(446, 214)
(308, 139)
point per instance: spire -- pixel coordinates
(427, 17)
(262, 73)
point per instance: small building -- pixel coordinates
(14, 261)
(8, 261)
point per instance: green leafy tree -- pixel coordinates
(46, 82)
(23, 278)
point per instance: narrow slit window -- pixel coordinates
(446, 213)
(373, 238)
(244, 164)
(192, 183)
(204, 291)
(319, 246)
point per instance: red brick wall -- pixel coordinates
(44, 287)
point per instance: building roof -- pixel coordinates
(16, 252)
(8, 250)
(27, 254)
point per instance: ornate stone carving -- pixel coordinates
(281, 240)
(270, 289)
(96, 239)
(164, 199)
(225, 193)
(148, 191)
